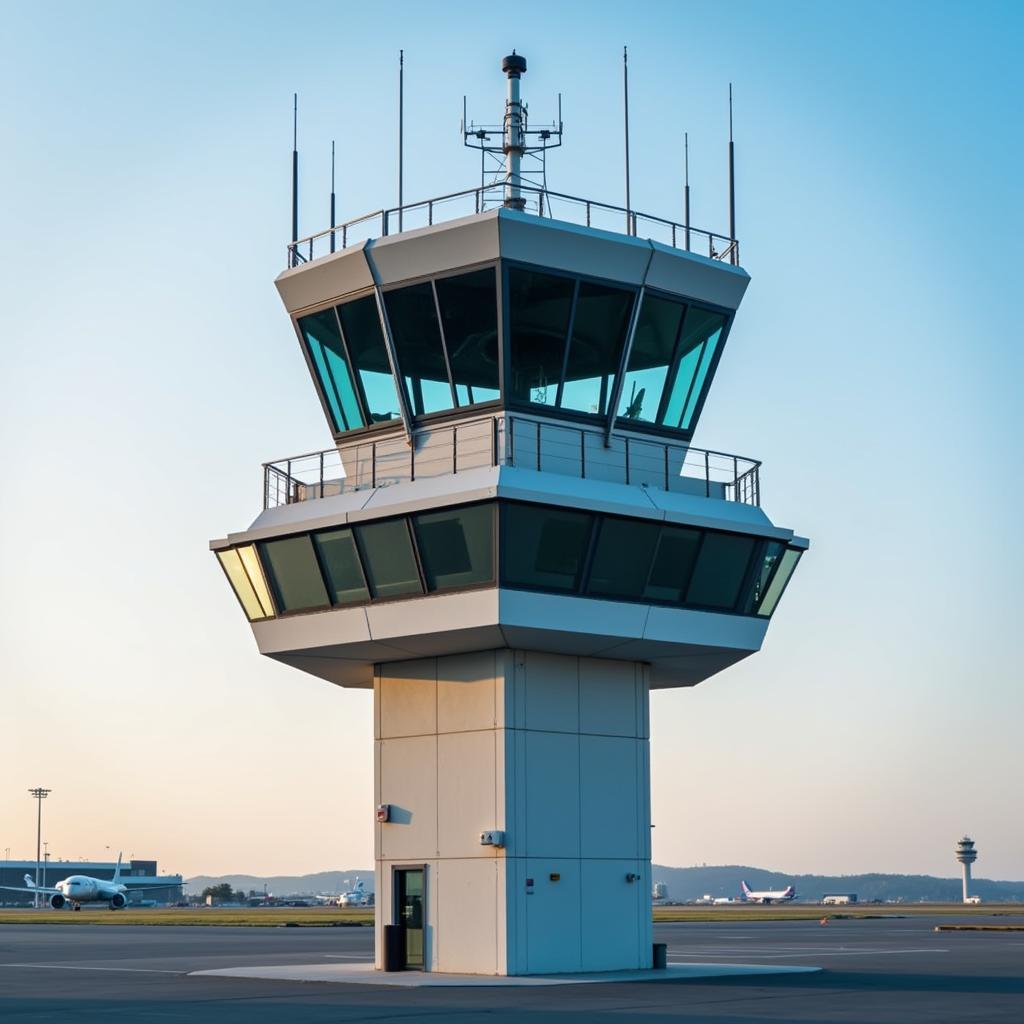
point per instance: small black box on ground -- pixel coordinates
(394, 947)
(660, 960)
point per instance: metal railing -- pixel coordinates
(539, 201)
(519, 441)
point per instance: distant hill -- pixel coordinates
(683, 884)
(692, 883)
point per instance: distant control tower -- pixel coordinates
(967, 855)
(511, 543)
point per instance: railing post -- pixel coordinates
(494, 440)
(707, 473)
(266, 486)
(588, 213)
(511, 428)
(373, 465)
(666, 467)
(322, 474)
(583, 455)
(383, 222)
(288, 483)
(538, 446)
(627, 459)
(455, 449)
(344, 236)
(674, 246)
(412, 458)
(430, 212)
(735, 477)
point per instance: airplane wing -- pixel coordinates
(28, 888)
(149, 888)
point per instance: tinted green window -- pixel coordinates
(469, 318)
(294, 574)
(414, 327)
(456, 546)
(361, 324)
(539, 306)
(709, 327)
(622, 558)
(767, 560)
(324, 342)
(698, 342)
(543, 547)
(598, 332)
(340, 561)
(649, 359)
(778, 582)
(720, 570)
(388, 558)
(673, 564)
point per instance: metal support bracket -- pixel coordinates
(634, 319)
(389, 343)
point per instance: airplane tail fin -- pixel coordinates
(117, 870)
(29, 883)
(745, 888)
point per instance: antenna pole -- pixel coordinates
(686, 189)
(732, 181)
(625, 105)
(295, 178)
(332, 195)
(401, 127)
(514, 67)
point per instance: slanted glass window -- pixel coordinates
(328, 354)
(622, 558)
(469, 321)
(543, 547)
(673, 564)
(361, 324)
(779, 581)
(598, 331)
(767, 560)
(649, 359)
(294, 573)
(253, 595)
(388, 558)
(698, 342)
(539, 306)
(720, 570)
(456, 546)
(417, 336)
(342, 571)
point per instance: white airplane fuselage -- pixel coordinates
(78, 889)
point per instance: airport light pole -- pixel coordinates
(39, 794)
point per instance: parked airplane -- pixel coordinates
(79, 889)
(355, 897)
(768, 895)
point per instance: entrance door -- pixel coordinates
(409, 914)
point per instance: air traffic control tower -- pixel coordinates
(512, 542)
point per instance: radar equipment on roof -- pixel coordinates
(509, 143)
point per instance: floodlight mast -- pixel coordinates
(515, 138)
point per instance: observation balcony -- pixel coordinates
(541, 202)
(520, 441)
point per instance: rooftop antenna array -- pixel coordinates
(332, 194)
(295, 172)
(504, 147)
(732, 180)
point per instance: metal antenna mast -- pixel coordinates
(625, 108)
(401, 128)
(295, 176)
(39, 794)
(686, 189)
(732, 179)
(513, 142)
(332, 195)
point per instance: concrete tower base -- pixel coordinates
(553, 751)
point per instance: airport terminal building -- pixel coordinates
(135, 874)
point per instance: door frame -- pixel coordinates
(395, 868)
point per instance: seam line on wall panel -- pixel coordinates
(505, 728)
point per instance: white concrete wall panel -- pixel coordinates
(428, 251)
(466, 895)
(408, 782)
(552, 794)
(553, 939)
(467, 692)
(551, 691)
(610, 908)
(325, 280)
(697, 277)
(609, 787)
(408, 698)
(467, 779)
(608, 697)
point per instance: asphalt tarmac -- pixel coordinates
(879, 971)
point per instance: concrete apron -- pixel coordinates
(363, 974)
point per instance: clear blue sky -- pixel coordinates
(148, 369)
